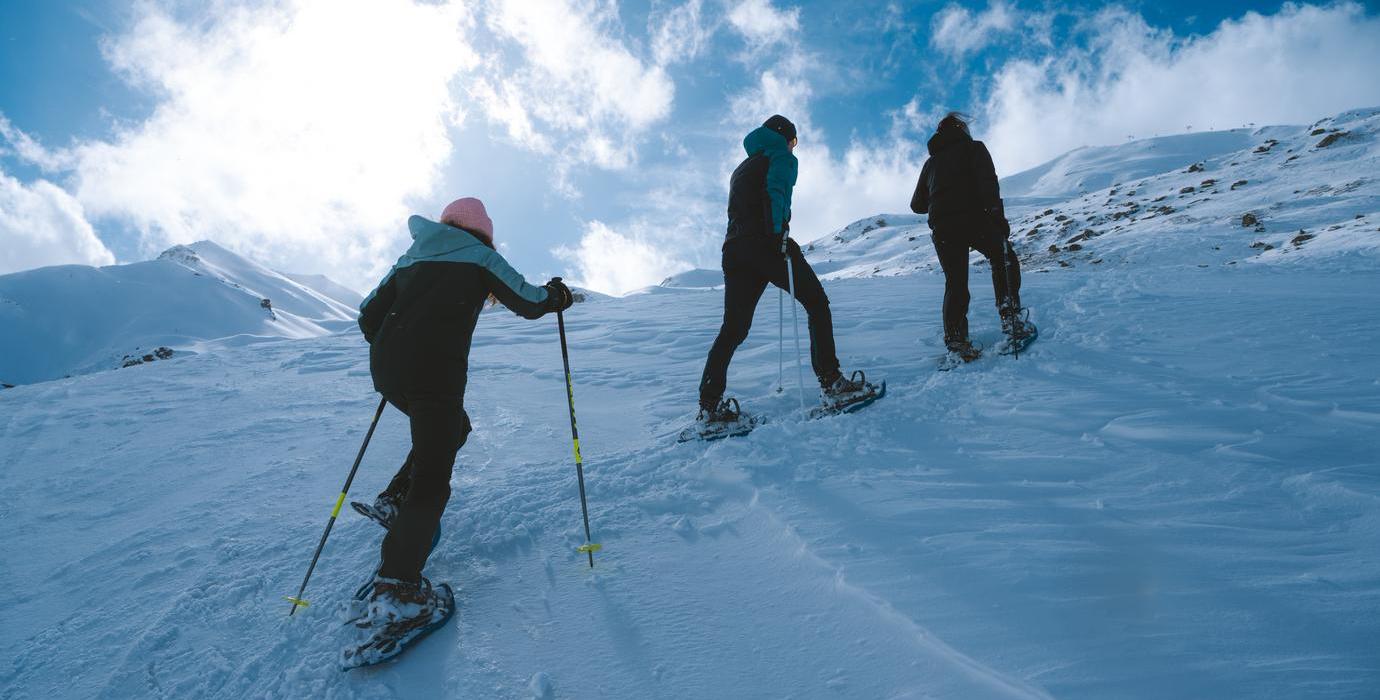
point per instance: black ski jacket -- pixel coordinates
(958, 178)
(421, 318)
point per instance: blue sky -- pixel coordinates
(600, 134)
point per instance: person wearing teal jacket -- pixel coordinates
(755, 254)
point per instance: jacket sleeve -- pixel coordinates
(989, 192)
(375, 307)
(920, 201)
(781, 173)
(509, 287)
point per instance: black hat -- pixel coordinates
(781, 125)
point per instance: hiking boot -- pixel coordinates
(726, 411)
(962, 347)
(384, 510)
(841, 388)
(397, 601)
(1015, 322)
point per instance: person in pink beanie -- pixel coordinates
(419, 323)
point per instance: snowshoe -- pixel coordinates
(848, 394)
(1020, 332)
(725, 420)
(400, 613)
(383, 510)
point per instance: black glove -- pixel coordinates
(997, 215)
(558, 296)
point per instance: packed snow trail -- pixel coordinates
(1173, 493)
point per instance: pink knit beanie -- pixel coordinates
(468, 213)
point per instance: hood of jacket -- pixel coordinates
(945, 138)
(432, 239)
(764, 140)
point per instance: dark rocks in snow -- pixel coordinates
(1186, 190)
(1087, 234)
(1195, 168)
(1332, 138)
(1291, 159)
(1166, 209)
(1237, 184)
(1208, 183)
(162, 353)
(1248, 220)
(1302, 237)
(1315, 132)
(1073, 247)
(1053, 248)
(1047, 212)
(1061, 217)
(1265, 147)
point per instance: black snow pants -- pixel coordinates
(750, 263)
(953, 237)
(422, 485)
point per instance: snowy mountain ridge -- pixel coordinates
(1274, 195)
(74, 319)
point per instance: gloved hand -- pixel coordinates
(997, 215)
(558, 296)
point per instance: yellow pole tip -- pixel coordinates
(297, 601)
(591, 547)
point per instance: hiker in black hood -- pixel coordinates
(958, 189)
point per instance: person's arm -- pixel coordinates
(375, 307)
(782, 169)
(920, 201)
(511, 290)
(989, 192)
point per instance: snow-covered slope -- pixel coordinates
(1174, 493)
(73, 319)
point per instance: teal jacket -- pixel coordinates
(421, 318)
(781, 172)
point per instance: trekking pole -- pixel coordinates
(588, 547)
(1010, 298)
(795, 318)
(297, 600)
(780, 340)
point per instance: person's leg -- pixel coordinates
(810, 293)
(397, 487)
(952, 250)
(439, 428)
(742, 289)
(996, 247)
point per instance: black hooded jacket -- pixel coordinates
(957, 179)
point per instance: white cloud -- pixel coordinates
(40, 225)
(761, 24)
(578, 91)
(295, 133)
(29, 149)
(616, 263)
(957, 31)
(680, 34)
(1132, 79)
